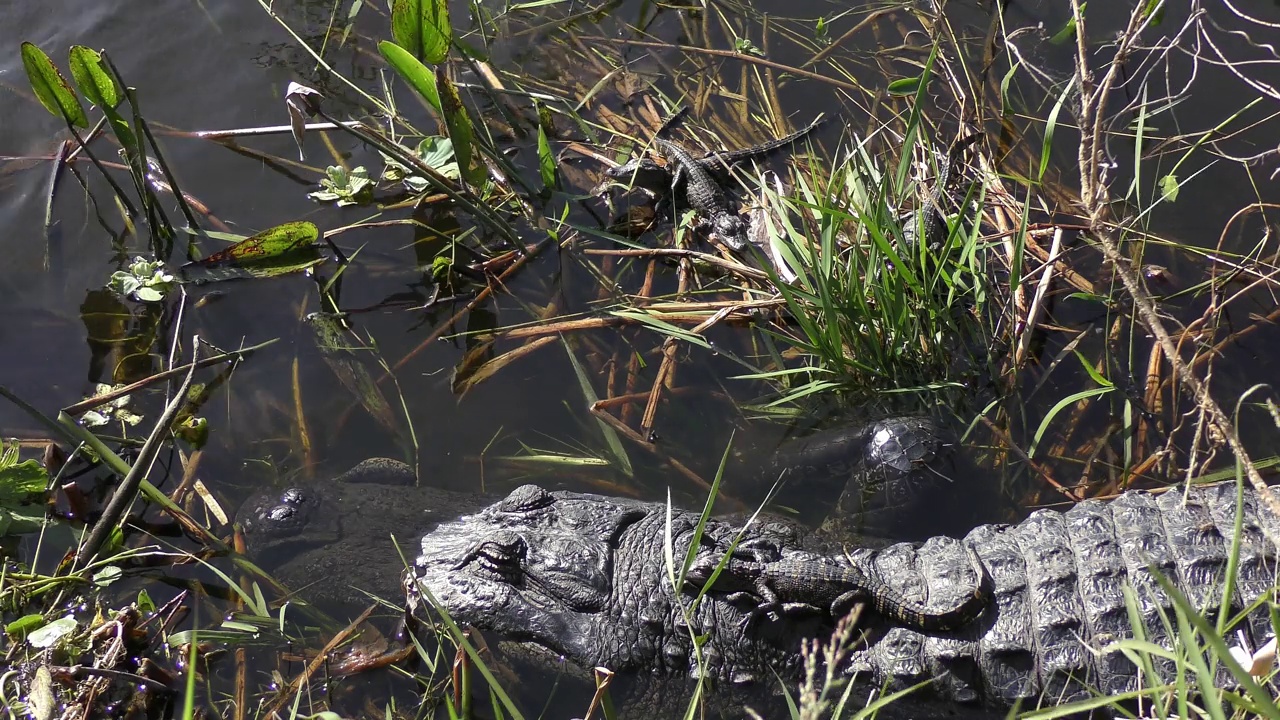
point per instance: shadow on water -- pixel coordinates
(287, 415)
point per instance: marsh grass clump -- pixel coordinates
(875, 311)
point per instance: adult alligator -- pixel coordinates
(587, 578)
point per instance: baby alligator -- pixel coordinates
(933, 226)
(807, 582)
(705, 196)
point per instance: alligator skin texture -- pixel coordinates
(1059, 599)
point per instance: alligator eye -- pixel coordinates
(282, 515)
(526, 498)
(503, 555)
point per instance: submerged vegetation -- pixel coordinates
(1078, 342)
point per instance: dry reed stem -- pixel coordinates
(1037, 302)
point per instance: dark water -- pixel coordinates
(225, 65)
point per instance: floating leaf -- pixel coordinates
(419, 76)
(345, 188)
(51, 88)
(107, 575)
(50, 634)
(288, 248)
(22, 482)
(1169, 187)
(435, 152)
(144, 280)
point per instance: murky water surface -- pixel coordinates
(283, 413)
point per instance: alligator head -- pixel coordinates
(586, 577)
(537, 566)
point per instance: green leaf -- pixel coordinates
(406, 17)
(436, 31)
(107, 575)
(1093, 372)
(193, 430)
(1059, 406)
(339, 347)
(1068, 31)
(546, 159)
(458, 123)
(50, 634)
(1169, 188)
(905, 86)
(145, 604)
(419, 76)
(92, 78)
(1051, 124)
(611, 438)
(288, 248)
(51, 88)
(22, 482)
(422, 28)
(437, 152)
(24, 625)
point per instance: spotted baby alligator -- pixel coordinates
(705, 195)
(800, 582)
(929, 221)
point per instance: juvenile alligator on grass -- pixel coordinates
(585, 578)
(929, 222)
(704, 194)
(787, 582)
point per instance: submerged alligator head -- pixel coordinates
(332, 540)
